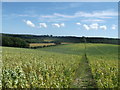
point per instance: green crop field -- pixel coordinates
(62, 66)
(103, 59)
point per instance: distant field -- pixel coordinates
(40, 44)
(48, 40)
(44, 44)
(56, 67)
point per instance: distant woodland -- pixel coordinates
(23, 41)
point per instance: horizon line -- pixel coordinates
(59, 35)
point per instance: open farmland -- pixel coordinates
(45, 44)
(103, 59)
(40, 44)
(61, 66)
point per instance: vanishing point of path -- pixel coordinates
(83, 76)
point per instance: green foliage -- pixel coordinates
(38, 68)
(57, 42)
(104, 64)
(14, 42)
(55, 67)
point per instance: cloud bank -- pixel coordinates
(95, 26)
(97, 15)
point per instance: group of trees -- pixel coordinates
(102, 40)
(14, 42)
(20, 42)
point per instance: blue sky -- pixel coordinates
(99, 19)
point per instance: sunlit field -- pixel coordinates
(103, 59)
(55, 67)
(40, 44)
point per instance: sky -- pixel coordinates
(90, 19)
(60, 0)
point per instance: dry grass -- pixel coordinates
(40, 44)
(44, 44)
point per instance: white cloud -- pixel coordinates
(62, 25)
(93, 20)
(94, 26)
(47, 16)
(96, 14)
(78, 23)
(59, 17)
(29, 23)
(104, 27)
(63, 15)
(56, 25)
(114, 27)
(86, 27)
(44, 25)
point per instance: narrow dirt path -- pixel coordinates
(83, 76)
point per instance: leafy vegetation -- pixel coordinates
(55, 67)
(14, 42)
(103, 60)
(35, 68)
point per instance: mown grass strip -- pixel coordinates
(83, 77)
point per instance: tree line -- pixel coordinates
(14, 42)
(23, 41)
